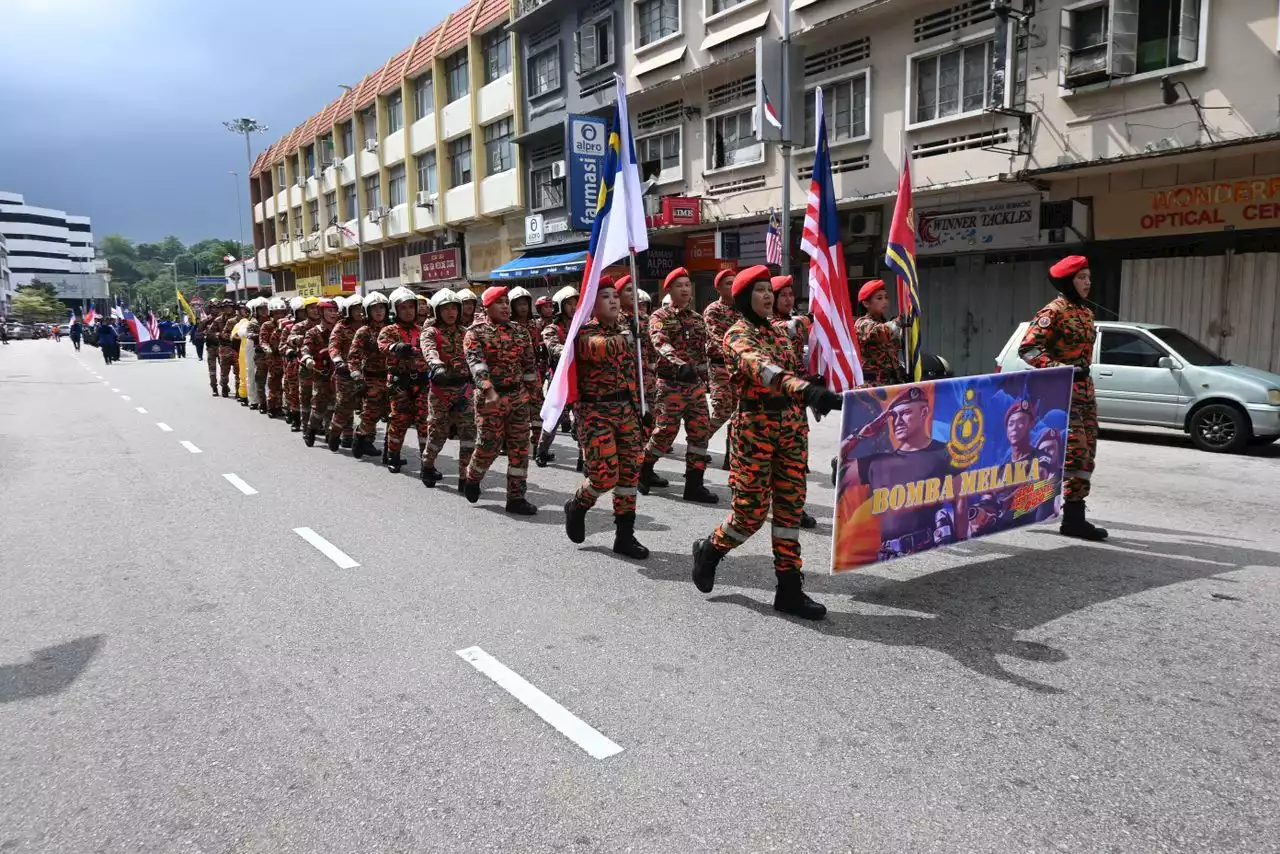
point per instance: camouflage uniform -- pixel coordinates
(724, 400)
(1062, 333)
(449, 401)
(292, 385)
(205, 329)
(796, 328)
(609, 415)
(297, 336)
(229, 358)
(533, 328)
(315, 348)
(365, 357)
(500, 356)
(880, 347)
(406, 386)
(269, 339)
(554, 333)
(346, 389)
(254, 336)
(680, 338)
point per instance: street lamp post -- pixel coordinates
(246, 127)
(240, 220)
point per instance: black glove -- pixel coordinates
(821, 401)
(402, 350)
(687, 373)
(1082, 372)
(815, 379)
(423, 377)
(647, 420)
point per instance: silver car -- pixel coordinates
(1159, 376)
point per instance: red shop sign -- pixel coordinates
(440, 266)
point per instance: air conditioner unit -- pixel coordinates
(302, 181)
(495, 164)
(376, 214)
(426, 200)
(863, 224)
(371, 144)
(333, 241)
(557, 170)
(325, 164)
(453, 238)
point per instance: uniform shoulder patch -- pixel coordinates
(1044, 322)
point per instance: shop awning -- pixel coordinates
(535, 266)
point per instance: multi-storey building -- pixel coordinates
(7, 288)
(50, 246)
(401, 166)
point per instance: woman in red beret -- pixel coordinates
(879, 340)
(1062, 334)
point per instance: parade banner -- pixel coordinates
(928, 464)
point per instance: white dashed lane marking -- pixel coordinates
(125, 398)
(190, 447)
(141, 411)
(326, 548)
(239, 484)
(165, 427)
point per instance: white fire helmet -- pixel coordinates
(373, 299)
(444, 297)
(567, 292)
(402, 294)
(519, 293)
(295, 304)
(467, 295)
(277, 304)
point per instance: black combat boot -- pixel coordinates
(333, 440)
(728, 447)
(807, 521)
(575, 521)
(214, 389)
(296, 424)
(541, 460)
(471, 490)
(253, 407)
(578, 465)
(648, 478)
(385, 456)
(521, 507)
(348, 443)
(695, 491)
(1074, 523)
(394, 464)
(706, 557)
(226, 392)
(244, 401)
(360, 445)
(624, 537)
(309, 436)
(430, 477)
(790, 597)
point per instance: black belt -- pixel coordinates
(458, 383)
(721, 362)
(506, 389)
(776, 404)
(616, 397)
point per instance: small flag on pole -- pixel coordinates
(182, 301)
(229, 258)
(773, 241)
(900, 255)
(770, 112)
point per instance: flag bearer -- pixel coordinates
(879, 340)
(1062, 333)
(608, 423)
(768, 466)
(795, 328)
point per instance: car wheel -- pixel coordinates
(1219, 428)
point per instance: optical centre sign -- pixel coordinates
(1214, 206)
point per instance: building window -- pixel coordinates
(369, 124)
(953, 83)
(298, 229)
(544, 190)
(331, 206)
(845, 103)
(372, 265)
(731, 141)
(544, 72)
(395, 112)
(309, 153)
(656, 19)
(349, 200)
(594, 44)
(718, 6)
(460, 161)
(313, 214)
(424, 96)
(372, 192)
(497, 146)
(280, 179)
(426, 164)
(396, 190)
(495, 47)
(348, 139)
(326, 151)
(456, 82)
(660, 155)
(1121, 38)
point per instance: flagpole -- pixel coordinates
(635, 329)
(786, 142)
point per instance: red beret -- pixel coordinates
(748, 277)
(868, 290)
(673, 275)
(780, 282)
(606, 281)
(622, 282)
(1023, 405)
(726, 273)
(491, 295)
(1068, 267)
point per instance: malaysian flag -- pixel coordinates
(828, 283)
(773, 241)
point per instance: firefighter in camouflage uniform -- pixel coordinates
(289, 352)
(1062, 334)
(368, 370)
(400, 343)
(719, 316)
(503, 369)
(879, 340)
(449, 402)
(768, 466)
(522, 313)
(469, 303)
(305, 376)
(221, 330)
(609, 429)
(795, 327)
(269, 340)
(679, 335)
(347, 389)
(316, 359)
(206, 329)
(260, 316)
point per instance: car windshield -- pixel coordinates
(1188, 348)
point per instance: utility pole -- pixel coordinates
(240, 251)
(246, 127)
(786, 140)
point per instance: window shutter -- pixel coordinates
(1189, 31)
(588, 55)
(1122, 50)
(1064, 48)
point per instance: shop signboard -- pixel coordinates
(1010, 223)
(310, 286)
(588, 137)
(1213, 206)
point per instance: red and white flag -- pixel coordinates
(153, 325)
(773, 241)
(837, 351)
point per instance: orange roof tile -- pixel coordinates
(393, 71)
(490, 11)
(367, 89)
(458, 27)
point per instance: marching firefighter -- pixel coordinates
(795, 328)
(879, 340)
(545, 312)
(305, 377)
(626, 289)
(269, 340)
(469, 303)
(719, 316)
(425, 315)
(367, 367)
(288, 347)
(1062, 334)
(500, 356)
(522, 313)
(228, 358)
(563, 304)
(261, 315)
(400, 343)
(208, 329)
(679, 335)
(316, 358)
(449, 401)
(609, 428)
(768, 467)
(346, 388)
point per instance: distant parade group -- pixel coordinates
(457, 367)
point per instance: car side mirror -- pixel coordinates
(1169, 363)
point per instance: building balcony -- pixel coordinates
(397, 223)
(422, 134)
(369, 164)
(329, 179)
(455, 120)
(427, 217)
(257, 212)
(529, 14)
(460, 204)
(393, 148)
(371, 232)
(499, 193)
(273, 255)
(261, 258)
(496, 100)
(295, 196)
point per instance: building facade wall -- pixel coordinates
(48, 245)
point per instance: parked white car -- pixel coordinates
(1158, 376)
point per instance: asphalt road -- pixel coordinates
(181, 671)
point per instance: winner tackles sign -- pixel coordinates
(928, 464)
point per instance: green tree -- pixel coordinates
(33, 305)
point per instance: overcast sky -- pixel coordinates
(113, 108)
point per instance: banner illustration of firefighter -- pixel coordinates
(927, 464)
